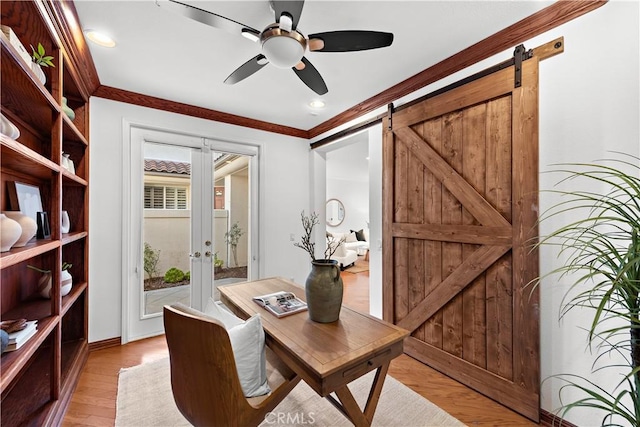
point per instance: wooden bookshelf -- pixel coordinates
(37, 380)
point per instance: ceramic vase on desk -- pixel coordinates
(323, 290)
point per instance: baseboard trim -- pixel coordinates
(547, 419)
(99, 345)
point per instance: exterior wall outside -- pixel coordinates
(220, 226)
(168, 231)
(236, 192)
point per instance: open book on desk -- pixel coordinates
(281, 303)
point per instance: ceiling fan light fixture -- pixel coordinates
(282, 48)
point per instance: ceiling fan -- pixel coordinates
(282, 44)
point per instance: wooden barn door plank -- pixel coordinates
(525, 214)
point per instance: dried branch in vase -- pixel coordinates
(308, 222)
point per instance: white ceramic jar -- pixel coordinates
(10, 232)
(28, 225)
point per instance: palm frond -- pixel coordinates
(601, 249)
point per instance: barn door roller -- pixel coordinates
(519, 55)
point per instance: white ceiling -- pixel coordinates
(166, 55)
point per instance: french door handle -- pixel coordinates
(196, 255)
(207, 254)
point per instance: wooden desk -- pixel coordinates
(328, 356)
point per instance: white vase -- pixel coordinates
(66, 282)
(65, 223)
(10, 232)
(28, 225)
(64, 161)
(8, 128)
(37, 69)
(44, 284)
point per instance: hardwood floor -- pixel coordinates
(94, 401)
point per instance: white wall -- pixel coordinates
(589, 106)
(375, 220)
(354, 195)
(284, 184)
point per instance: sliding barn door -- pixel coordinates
(460, 211)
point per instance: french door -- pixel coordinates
(190, 215)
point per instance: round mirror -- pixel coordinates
(335, 212)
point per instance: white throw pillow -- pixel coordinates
(222, 313)
(247, 342)
(351, 237)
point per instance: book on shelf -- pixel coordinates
(281, 303)
(18, 338)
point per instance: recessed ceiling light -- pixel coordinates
(99, 38)
(317, 103)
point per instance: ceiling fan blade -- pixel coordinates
(292, 7)
(248, 68)
(348, 41)
(206, 17)
(310, 76)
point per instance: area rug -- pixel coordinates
(359, 267)
(145, 399)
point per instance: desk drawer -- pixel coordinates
(357, 369)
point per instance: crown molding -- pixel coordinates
(128, 97)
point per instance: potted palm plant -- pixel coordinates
(602, 249)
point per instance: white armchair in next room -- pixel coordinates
(354, 240)
(345, 257)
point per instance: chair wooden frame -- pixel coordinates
(204, 378)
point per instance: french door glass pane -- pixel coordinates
(231, 219)
(166, 226)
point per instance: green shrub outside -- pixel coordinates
(173, 275)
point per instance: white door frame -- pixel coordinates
(132, 266)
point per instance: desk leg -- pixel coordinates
(350, 406)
